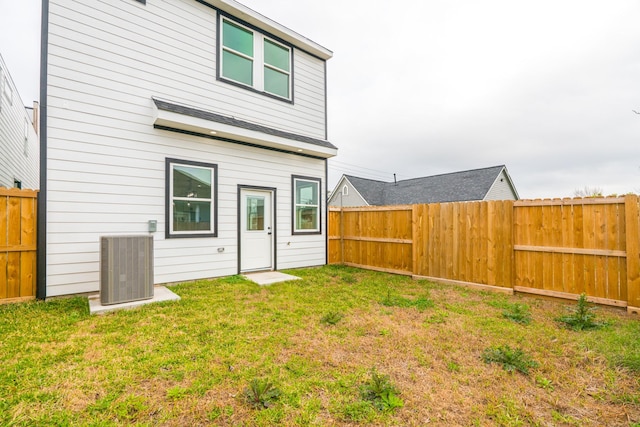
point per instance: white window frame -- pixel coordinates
(345, 190)
(257, 60)
(296, 204)
(213, 220)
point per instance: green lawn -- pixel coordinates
(327, 345)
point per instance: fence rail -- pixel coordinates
(18, 218)
(558, 247)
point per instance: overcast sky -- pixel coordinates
(422, 87)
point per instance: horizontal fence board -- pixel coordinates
(374, 239)
(568, 202)
(570, 296)
(479, 286)
(562, 250)
(384, 270)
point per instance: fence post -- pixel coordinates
(415, 227)
(632, 218)
(341, 234)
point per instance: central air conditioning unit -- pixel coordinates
(126, 269)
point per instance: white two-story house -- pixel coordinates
(18, 137)
(200, 122)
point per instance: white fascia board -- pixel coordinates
(220, 130)
(241, 11)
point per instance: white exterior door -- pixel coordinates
(256, 230)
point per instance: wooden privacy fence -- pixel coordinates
(17, 244)
(560, 247)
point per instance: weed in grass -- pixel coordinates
(331, 318)
(453, 367)
(511, 359)
(581, 316)
(518, 313)
(261, 393)
(381, 392)
(176, 393)
(544, 383)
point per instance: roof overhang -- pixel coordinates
(205, 123)
(254, 18)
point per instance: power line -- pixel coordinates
(365, 172)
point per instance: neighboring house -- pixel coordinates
(492, 183)
(19, 152)
(201, 117)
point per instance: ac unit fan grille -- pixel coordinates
(126, 269)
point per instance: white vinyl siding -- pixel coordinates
(19, 152)
(501, 189)
(169, 50)
(106, 162)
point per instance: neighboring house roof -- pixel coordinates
(461, 186)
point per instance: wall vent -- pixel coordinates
(126, 269)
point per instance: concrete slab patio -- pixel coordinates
(160, 293)
(269, 277)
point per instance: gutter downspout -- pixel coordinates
(41, 261)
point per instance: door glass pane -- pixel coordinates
(276, 82)
(191, 215)
(191, 182)
(255, 213)
(237, 68)
(237, 38)
(276, 55)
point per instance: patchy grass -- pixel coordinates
(301, 351)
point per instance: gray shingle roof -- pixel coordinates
(450, 187)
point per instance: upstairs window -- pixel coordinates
(252, 59)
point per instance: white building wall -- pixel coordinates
(351, 199)
(19, 148)
(106, 162)
(501, 189)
